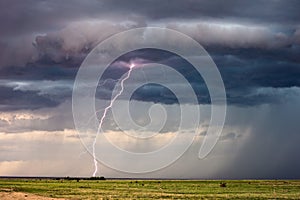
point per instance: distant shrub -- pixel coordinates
(222, 184)
(98, 178)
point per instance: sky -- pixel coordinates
(254, 44)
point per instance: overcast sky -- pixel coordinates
(255, 45)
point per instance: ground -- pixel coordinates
(46, 189)
(8, 194)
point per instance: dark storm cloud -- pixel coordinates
(33, 94)
(70, 45)
(249, 81)
(243, 77)
(22, 21)
(253, 46)
(248, 68)
(18, 100)
(27, 17)
(261, 11)
(25, 25)
(42, 70)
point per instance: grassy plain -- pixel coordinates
(155, 189)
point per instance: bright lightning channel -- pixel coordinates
(104, 115)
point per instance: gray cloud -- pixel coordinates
(18, 100)
(228, 136)
(62, 31)
(234, 35)
(275, 11)
(21, 17)
(42, 119)
(31, 95)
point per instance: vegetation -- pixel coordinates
(155, 189)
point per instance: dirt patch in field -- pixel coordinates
(7, 194)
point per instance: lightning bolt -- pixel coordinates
(104, 115)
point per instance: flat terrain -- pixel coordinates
(148, 189)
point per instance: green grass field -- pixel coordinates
(155, 189)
